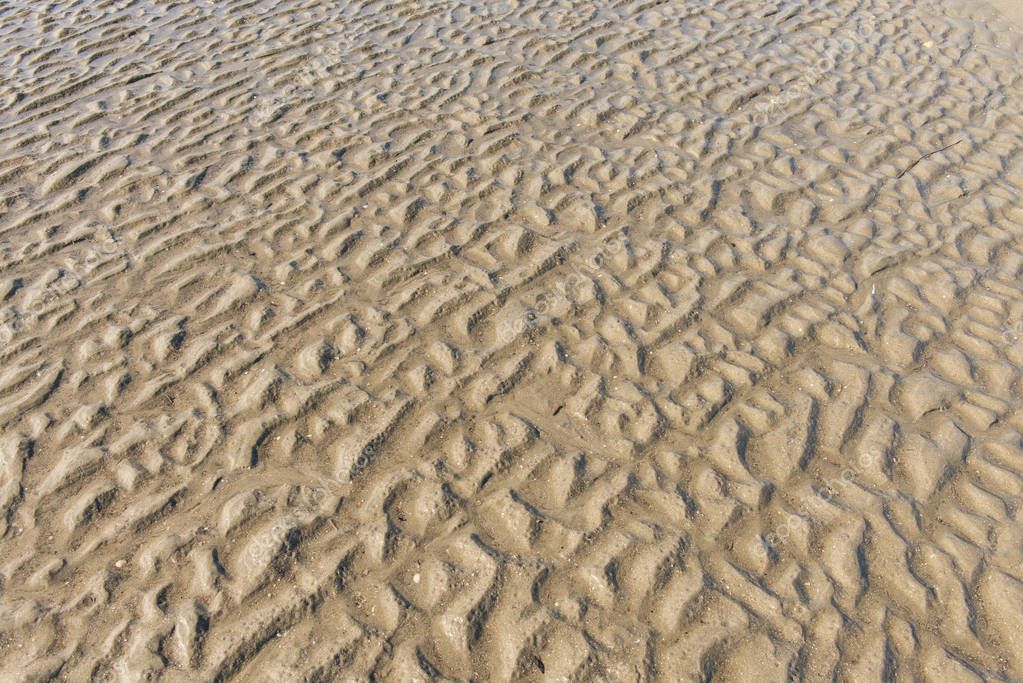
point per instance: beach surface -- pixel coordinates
(555, 341)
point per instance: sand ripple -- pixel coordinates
(554, 341)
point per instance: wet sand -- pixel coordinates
(511, 341)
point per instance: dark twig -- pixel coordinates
(927, 156)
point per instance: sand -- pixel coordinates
(417, 340)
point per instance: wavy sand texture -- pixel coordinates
(513, 340)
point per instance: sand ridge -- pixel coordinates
(549, 341)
